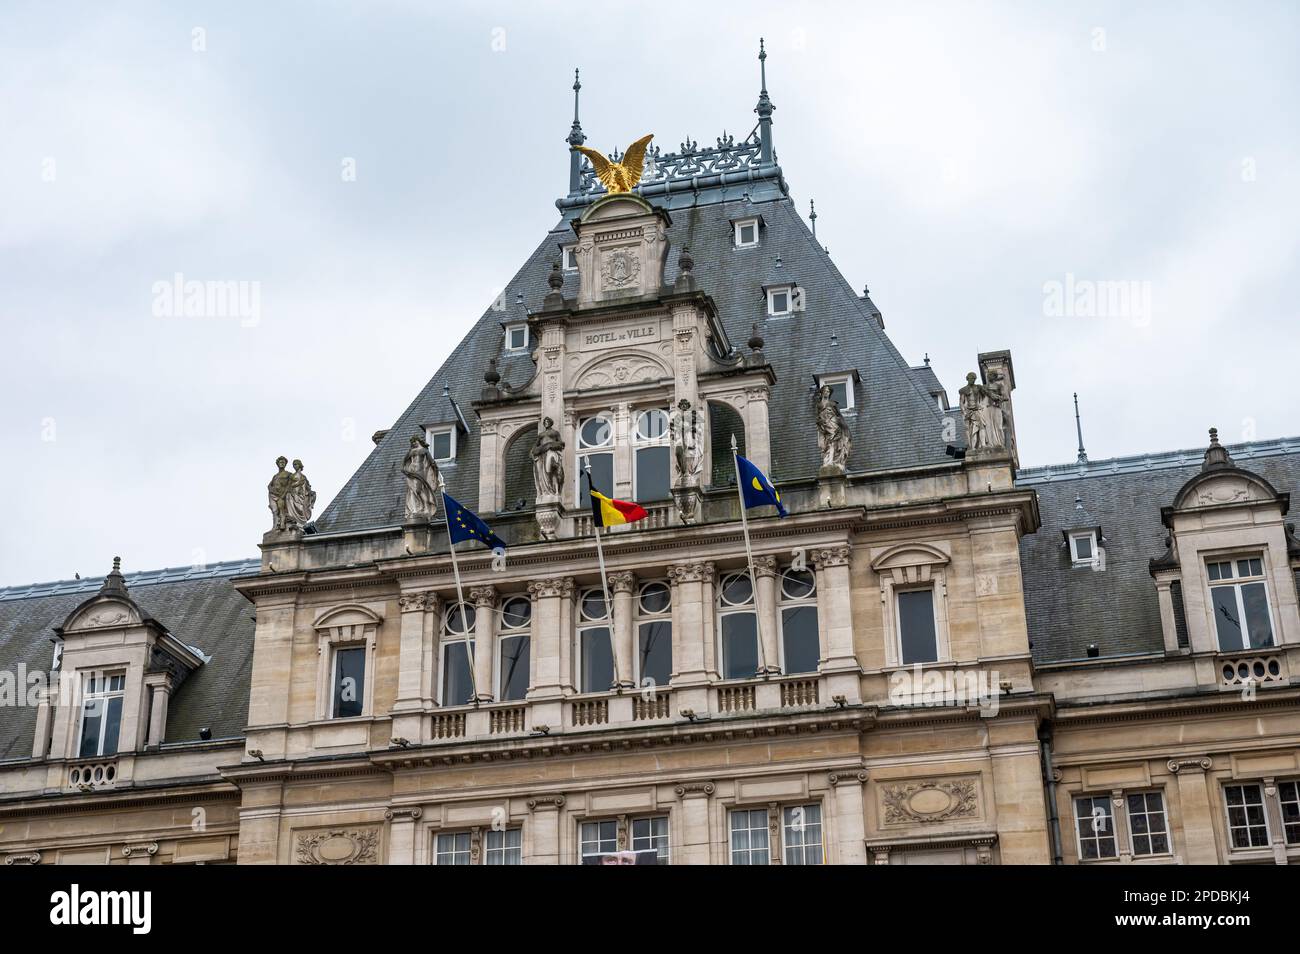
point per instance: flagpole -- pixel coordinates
(604, 583)
(749, 554)
(460, 592)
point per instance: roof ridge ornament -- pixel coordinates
(764, 108)
(575, 138)
(114, 582)
(619, 173)
(1216, 455)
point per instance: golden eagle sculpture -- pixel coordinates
(619, 176)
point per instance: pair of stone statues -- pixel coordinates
(984, 409)
(290, 498)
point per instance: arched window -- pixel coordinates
(595, 654)
(457, 655)
(652, 468)
(654, 632)
(739, 624)
(724, 422)
(800, 645)
(513, 648)
(518, 472)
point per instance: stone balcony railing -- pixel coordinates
(1259, 668)
(660, 515)
(85, 776)
(584, 713)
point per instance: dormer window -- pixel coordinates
(517, 337)
(101, 713)
(784, 300)
(1083, 548)
(442, 442)
(1239, 600)
(746, 233)
(841, 386)
(570, 257)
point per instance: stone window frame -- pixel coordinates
(623, 822)
(510, 330)
(913, 566)
(1231, 556)
(641, 616)
(738, 224)
(1090, 534)
(722, 609)
(581, 623)
(1259, 785)
(784, 601)
(100, 674)
(434, 430)
(348, 626)
(846, 378)
(569, 257)
(1094, 798)
(448, 638)
(502, 634)
(776, 809)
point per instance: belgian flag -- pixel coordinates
(606, 512)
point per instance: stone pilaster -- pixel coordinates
(552, 604)
(758, 441)
(544, 832)
(692, 618)
(402, 834)
(693, 823)
(835, 608)
(850, 818)
(414, 680)
(1195, 807)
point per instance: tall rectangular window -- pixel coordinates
(458, 655)
(595, 654)
(101, 713)
(800, 642)
(514, 667)
(1288, 795)
(651, 834)
(653, 477)
(597, 838)
(452, 848)
(750, 841)
(1146, 823)
(1247, 823)
(916, 632)
(1095, 827)
(802, 828)
(1239, 598)
(739, 626)
(349, 681)
(505, 847)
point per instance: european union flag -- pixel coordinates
(465, 524)
(755, 489)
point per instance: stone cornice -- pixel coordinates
(1165, 707)
(186, 792)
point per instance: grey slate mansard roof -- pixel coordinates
(198, 606)
(1116, 608)
(896, 422)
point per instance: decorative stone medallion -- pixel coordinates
(620, 267)
(930, 801)
(339, 846)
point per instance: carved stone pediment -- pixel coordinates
(622, 370)
(104, 614)
(622, 244)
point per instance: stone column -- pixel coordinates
(758, 447)
(485, 639)
(544, 830)
(1164, 594)
(693, 824)
(765, 603)
(850, 820)
(622, 584)
(689, 611)
(408, 707)
(401, 834)
(1195, 810)
(158, 711)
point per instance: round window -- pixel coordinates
(652, 425)
(655, 598)
(460, 619)
(593, 605)
(737, 590)
(797, 584)
(516, 612)
(595, 432)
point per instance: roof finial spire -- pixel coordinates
(812, 215)
(764, 109)
(1078, 427)
(575, 138)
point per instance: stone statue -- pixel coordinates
(832, 432)
(300, 498)
(277, 492)
(686, 431)
(421, 473)
(983, 410)
(548, 460)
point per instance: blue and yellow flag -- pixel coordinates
(465, 524)
(756, 489)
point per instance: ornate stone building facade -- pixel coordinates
(939, 656)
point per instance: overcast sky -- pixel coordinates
(963, 158)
